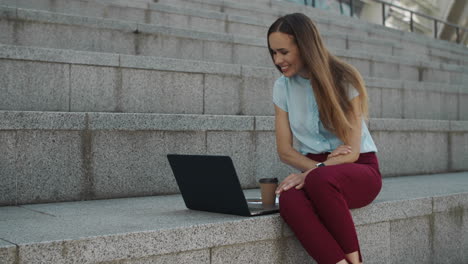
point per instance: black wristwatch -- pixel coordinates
(320, 164)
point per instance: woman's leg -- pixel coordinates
(354, 257)
(349, 186)
(299, 213)
(333, 190)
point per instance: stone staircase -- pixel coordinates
(96, 93)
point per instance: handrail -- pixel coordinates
(384, 3)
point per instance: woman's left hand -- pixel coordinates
(293, 180)
(341, 150)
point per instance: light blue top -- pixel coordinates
(295, 96)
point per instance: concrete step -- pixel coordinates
(169, 14)
(248, 14)
(36, 79)
(418, 219)
(52, 30)
(412, 41)
(50, 156)
(153, 13)
(28, 27)
(207, 21)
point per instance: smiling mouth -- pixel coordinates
(284, 68)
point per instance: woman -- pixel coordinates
(321, 101)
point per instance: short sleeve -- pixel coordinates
(279, 94)
(352, 92)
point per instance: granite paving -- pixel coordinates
(27, 224)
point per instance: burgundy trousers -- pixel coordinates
(319, 212)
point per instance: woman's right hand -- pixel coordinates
(341, 150)
(293, 180)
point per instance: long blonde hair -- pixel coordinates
(330, 76)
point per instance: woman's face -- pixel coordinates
(286, 54)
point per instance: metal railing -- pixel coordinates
(458, 28)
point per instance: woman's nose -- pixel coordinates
(278, 59)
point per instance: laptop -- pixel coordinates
(210, 183)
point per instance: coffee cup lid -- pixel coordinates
(268, 180)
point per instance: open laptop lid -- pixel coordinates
(209, 183)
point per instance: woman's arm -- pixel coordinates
(355, 138)
(288, 155)
(284, 143)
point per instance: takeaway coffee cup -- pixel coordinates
(268, 187)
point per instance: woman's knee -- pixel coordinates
(319, 182)
(290, 199)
